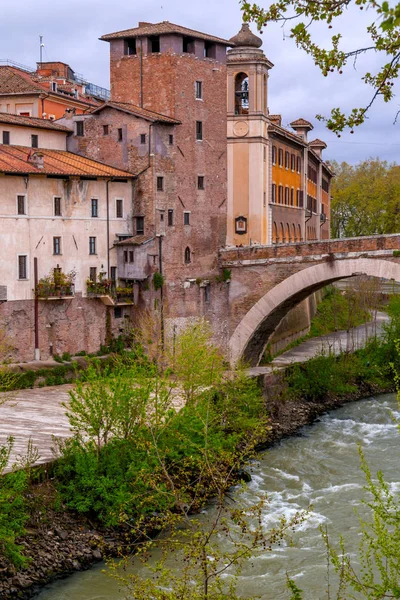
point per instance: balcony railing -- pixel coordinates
(110, 294)
(54, 292)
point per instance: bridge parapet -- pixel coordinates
(376, 245)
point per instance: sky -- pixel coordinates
(296, 86)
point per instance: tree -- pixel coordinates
(383, 32)
(365, 199)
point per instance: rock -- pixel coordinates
(97, 555)
(76, 565)
(61, 534)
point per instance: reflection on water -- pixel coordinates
(321, 469)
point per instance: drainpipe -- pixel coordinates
(160, 268)
(108, 226)
(36, 281)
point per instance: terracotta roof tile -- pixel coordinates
(137, 111)
(301, 123)
(274, 128)
(317, 143)
(136, 240)
(31, 122)
(15, 159)
(17, 81)
(164, 27)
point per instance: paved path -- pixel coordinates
(38, 413)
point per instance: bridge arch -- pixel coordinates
(253, 331)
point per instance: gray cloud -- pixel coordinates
(296, 87)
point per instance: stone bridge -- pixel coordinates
(267, 281)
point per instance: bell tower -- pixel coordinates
(248, 149)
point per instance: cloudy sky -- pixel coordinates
(296, 88)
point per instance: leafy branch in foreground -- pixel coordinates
(383, 32)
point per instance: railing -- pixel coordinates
(97, 91)
(47, 291)
(119, 295)
(11, 63)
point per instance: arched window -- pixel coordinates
(274, 233)
(265, 95)
(294, 233)
(241, 94)
(299, 233)
(188, 256)
(281, 234)
(288, 233)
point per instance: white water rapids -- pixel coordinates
(319, 468)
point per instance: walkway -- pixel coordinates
(38, 413)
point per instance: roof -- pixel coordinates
(137, 111)
(275, 119)
(301, 123)
(317, 143)
(15, 159)
(31, 122)
(17, 81)
(165, 27)
(136, 240)
(275, 128)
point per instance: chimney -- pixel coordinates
(144, 24)
(36, 159)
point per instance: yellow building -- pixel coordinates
(278, 184)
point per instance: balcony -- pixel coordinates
(109, 294)
(56, 286)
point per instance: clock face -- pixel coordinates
(240, 129)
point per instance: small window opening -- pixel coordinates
(125, 256)
(200, 182)
(170, 217)
(139, 225)
(199, 90)
(130, 47)
(209, 50)
(21, 205)
(105, 130)
(160, 184)
(188, 257)
(186, 218)
(171, 139)
(120, 135)
(142, 138)
(117, 312)
(131, 258)
(92, 245)
(93, 274)
(6, 138)
(80, 128)
(56, 245)
(154, 43)
(94, 207)
(57, 207)
(199, 130)
(241, 94)
(22, 267)
(119, 208)
(35, 141)
(188, 44)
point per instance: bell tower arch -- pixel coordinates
(248, 150)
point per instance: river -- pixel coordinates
(318, 468)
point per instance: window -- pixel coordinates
(120, 135)
(280, 155)
(53, 86)
(93, 274)
(209, 50)
(188, 44)
(292, 197)
(21, 205)
(207, 294)
(286, 195)
(199, 90)
(301, 198)
(117, 312)
(22, 266)
(161, 216)
(274, 155)
(57, 206)
(188, 258)
(199, 130)
(106, 130)
(273, 195)
(160, 184)
(325, 185)
(6, 138)
(113, 274)
(170, 217)
(298, 164)
(293, 162)
(142, 138)
(94, 207)
(131, 256)
(186, 218)
(298, 198)
(241, 94)
(34, 141)
(125, 256)
(280, 194)
(130, 47)
(92, 245)
(119, 208)
(56, 245)
(171, 139)
(80, 128)
(200, 182)
(139, 225)
(287, 158)
(154, 43)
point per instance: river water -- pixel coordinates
(319, 468)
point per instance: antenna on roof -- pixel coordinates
(41, 48)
